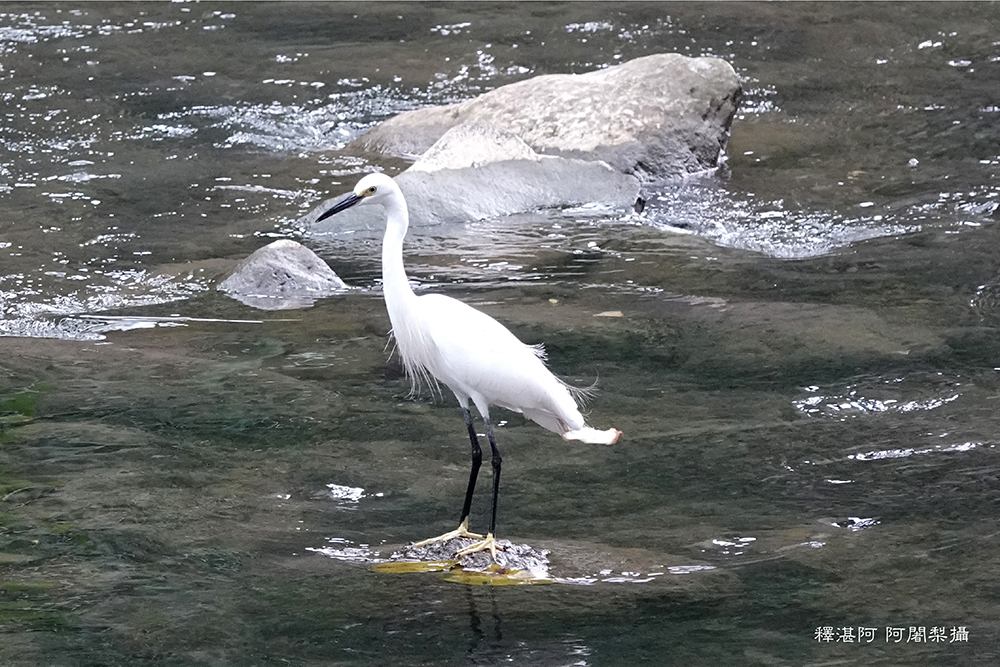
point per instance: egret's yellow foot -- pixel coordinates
(461, 531)
(489, 542)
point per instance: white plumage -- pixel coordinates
(480, 360)
(467, 350)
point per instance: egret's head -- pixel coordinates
(373, 188)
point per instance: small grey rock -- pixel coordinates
(282, 275)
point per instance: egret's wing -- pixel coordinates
(478, 356)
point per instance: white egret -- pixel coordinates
(471, 353)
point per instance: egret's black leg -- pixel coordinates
(490, 541)
(477, 461)
(495, 462)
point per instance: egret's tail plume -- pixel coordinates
(592, 436)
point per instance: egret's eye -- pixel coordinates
(370, 191)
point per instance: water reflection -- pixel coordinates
(492, 637)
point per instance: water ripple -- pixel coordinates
(705, 207)
(32, 310)
(881, 396)
(904, 452)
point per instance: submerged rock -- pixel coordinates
(281, 275)
(477, 171)
(659, 115)
(986, 301)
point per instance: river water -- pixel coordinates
(803, 352)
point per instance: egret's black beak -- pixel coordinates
(347, 201)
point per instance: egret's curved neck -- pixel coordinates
(395, 286)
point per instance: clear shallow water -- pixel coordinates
(805, 366)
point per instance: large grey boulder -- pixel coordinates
(477, 171)
(659, 115)
(281, 275)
